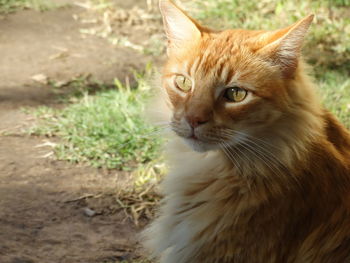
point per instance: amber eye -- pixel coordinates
(235, 94)
(182, 83)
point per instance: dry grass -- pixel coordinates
(140, 199)
(119, 26)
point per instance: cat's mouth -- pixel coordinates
(200, 145)
(197, 136)
(193, 137)
(198, 140)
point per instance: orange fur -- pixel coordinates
(263, 180)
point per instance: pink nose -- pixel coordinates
(195, 121)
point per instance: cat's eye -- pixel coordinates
(235, 94)
(182, 83)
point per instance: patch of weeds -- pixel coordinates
(43, 5)
(104, 126)
(70, 91)
(334, 87)
(105, 129)
(9, 6)
(105, 19)
(139, 200)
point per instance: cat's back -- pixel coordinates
(327, 191)
(337, 135)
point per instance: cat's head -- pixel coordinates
(225, 85)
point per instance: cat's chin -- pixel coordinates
(200, 146)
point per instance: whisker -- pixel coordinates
(215, 138)
(230, 155)
(253, 137)
(160, 124)
(256, 153)
(273, 167)
(271, 156)
(244, 159)
(268, 154)
(260, 152)
(233, 155)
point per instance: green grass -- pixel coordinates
(9, 6)
(106, 129)
(334, 88)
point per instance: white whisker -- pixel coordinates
(230, 155)
(233, 151)
(263, 150)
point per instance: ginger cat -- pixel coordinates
(259, 171)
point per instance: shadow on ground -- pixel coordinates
(42, 201)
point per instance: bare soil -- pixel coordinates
(42, 200)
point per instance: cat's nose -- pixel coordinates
(195, 121)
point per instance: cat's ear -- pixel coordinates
(180, 29)
(284, 45)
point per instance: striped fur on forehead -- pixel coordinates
(223, 58)
(213, 58)
(218, 50)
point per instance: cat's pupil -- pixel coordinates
(183, 83)
(235, 94)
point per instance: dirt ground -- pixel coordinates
(42, 201)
